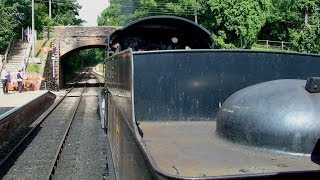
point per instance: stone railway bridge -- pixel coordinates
(68, 39)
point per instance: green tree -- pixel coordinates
(8, 25)
(121, 12)
(237, 23)
(112, 15)
(81, 59)
(282, 17)
(65, 12)
(287, 16)
(16, 14)
(307, 38)
(182, 8)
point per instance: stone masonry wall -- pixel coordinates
(80, 31)
(70, 38)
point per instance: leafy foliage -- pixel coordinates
(307, 40)
(122, 11)
(287, 16)
(65, 12)
(241, 21)
(8, 25)
(81, 59)
(112, 16)
(233, 23)
(15, 14)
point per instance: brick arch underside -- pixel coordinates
(68, 51)
(71, 45)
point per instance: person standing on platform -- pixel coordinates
(22, 67)
(19, 80)
(5, 76)
(25, 35)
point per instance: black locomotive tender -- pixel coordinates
(179, 109)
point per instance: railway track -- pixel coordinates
(64, 143)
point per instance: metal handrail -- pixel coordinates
(28, 51)
(6, 55)
(1, 63)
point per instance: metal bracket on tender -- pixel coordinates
(315, 155)
(313, 84)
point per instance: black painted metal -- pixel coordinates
(278, 114)
(118, 81)
(315, 155)
(156, 33)
(127, 157)
(184, 85)
(313, 84)
(191, 85)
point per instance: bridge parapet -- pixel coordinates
(81, 31)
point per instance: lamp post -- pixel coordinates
(50, 9)
(195, 12)
(33, 34)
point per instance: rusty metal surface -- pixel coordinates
(191, 149)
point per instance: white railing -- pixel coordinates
(28, 50)
(274, 45)
(1, 64)
(4, 59)
(6, 55)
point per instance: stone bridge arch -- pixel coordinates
(72, 38)
(67, 45)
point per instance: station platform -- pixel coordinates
(15, 99)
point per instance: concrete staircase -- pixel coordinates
(14, 61)
(17, 55)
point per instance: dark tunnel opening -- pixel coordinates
(75, 61)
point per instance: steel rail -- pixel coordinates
(63, 140)
(61, 144)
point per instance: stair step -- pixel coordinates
(15, 60)
(18, 56)
(14, 67)
(19, 48)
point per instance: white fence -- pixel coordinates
(274, 45)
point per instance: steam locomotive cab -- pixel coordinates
(160, 33)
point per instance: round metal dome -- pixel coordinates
(278, 114)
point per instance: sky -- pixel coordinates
(90, 10)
